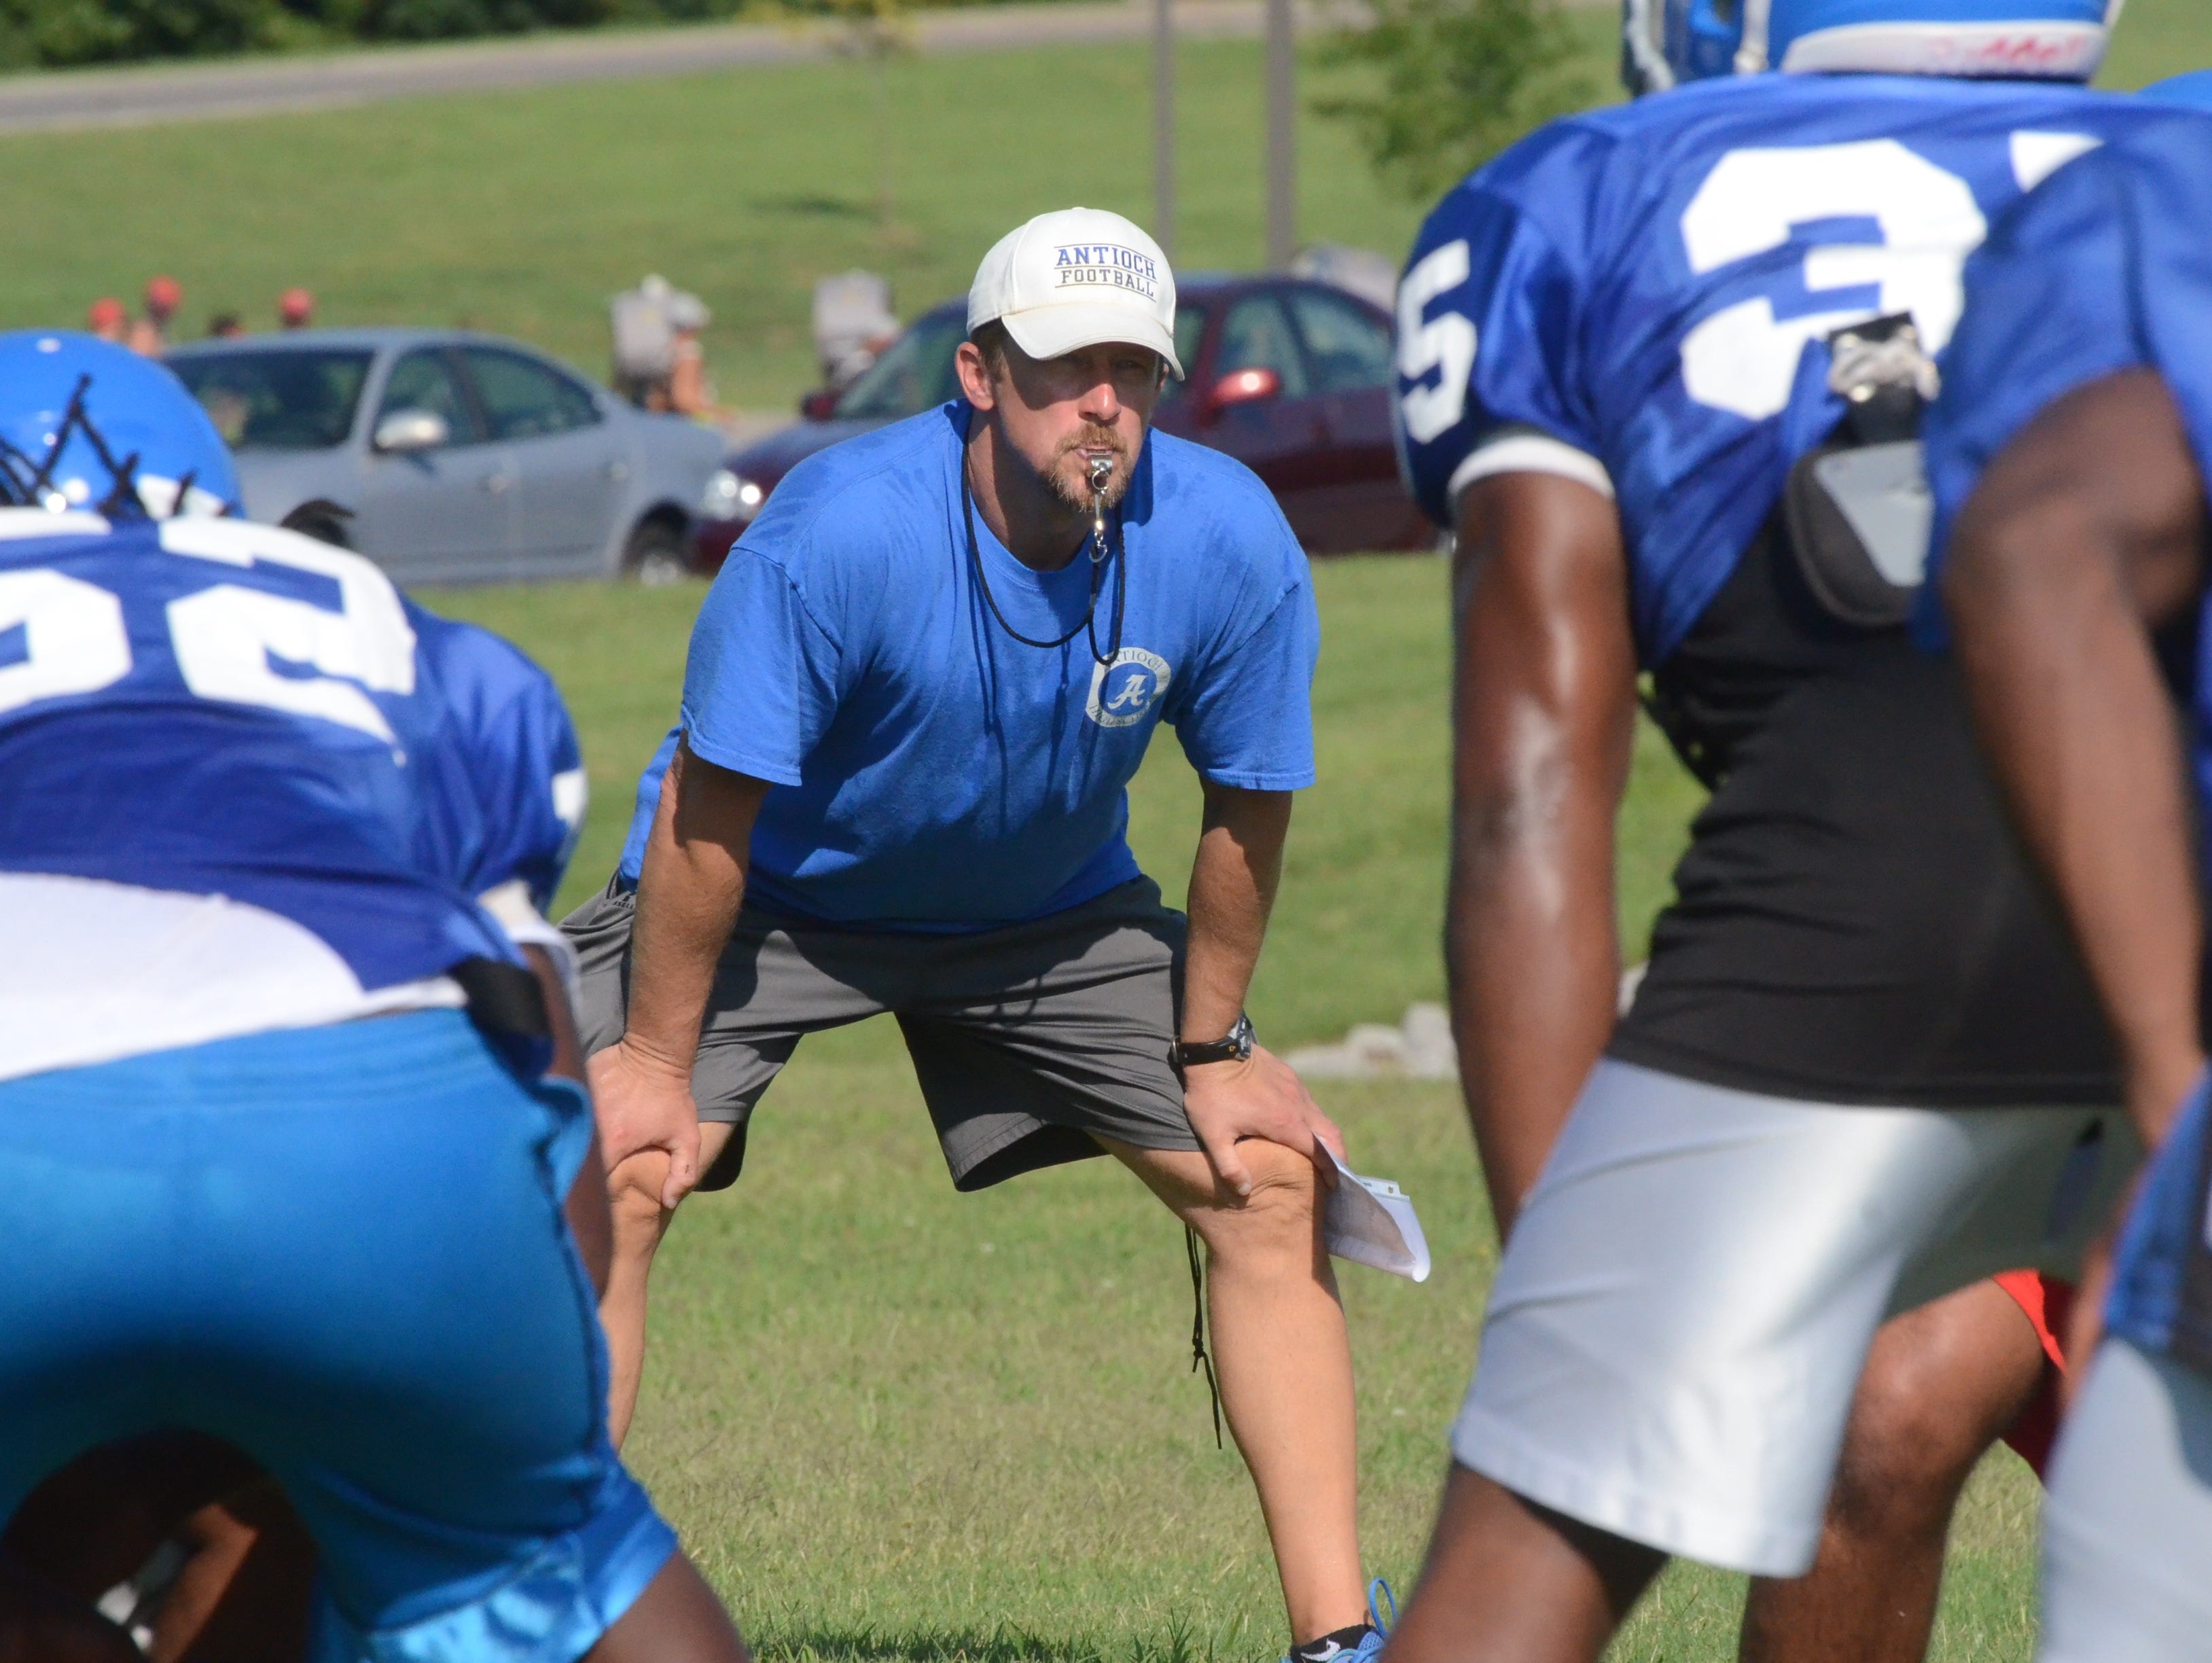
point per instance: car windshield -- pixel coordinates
(914, 373)
(293, 400)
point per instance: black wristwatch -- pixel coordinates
(1235, 1047)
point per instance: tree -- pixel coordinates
(1460, 81)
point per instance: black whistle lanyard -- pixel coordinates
(1102, 553)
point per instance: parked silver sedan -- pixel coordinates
(447, 457)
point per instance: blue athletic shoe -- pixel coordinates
(1363, 1644)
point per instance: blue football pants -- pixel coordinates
(344, 1249)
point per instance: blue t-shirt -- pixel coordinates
(210, 707)
(2107, 267)
(1641, 296)
(931, 772)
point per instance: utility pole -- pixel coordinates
(1163, 127)
(1282, 137)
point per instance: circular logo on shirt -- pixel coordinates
(1122, 691)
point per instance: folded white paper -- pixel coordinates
(1370, 1220)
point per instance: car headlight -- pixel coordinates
(730, 496)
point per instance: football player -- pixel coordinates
(250, 999)
(187, 1543)
(1661, 368)
(2070, 457)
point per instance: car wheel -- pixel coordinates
(655, 555)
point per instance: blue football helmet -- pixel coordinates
(2193, 90)
(86, 424)
(1666, 42)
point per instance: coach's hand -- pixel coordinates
(644, 1102)
(1259, 1098)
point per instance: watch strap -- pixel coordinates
(1233, 1047)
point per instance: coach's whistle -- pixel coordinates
(1102, 470)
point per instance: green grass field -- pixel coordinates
(896, 1423)
(893, 1423)
(522, 212)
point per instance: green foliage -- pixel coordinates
(429, 20)
(58, 33)
(1460, 81)
(39, 32)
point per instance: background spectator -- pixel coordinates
(225, 326)
(690, 393)
(106, 319)
(659, 361)
(295, 308)
(149, 335)
(644, 341)
(853, 323)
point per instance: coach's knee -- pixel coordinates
(634, 1193)
(1281, 1216)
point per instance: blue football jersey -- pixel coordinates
(1641, 296)
(213, 708)
(520, 766)
(2107, 267)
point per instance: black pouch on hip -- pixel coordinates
(1856, 512)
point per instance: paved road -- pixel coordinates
(145, 96)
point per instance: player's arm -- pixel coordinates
(688, 891)
(589, 1221)
(1543, 724)
(2085, 534)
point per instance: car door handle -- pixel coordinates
(496, 483)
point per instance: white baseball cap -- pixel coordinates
(1075, 278)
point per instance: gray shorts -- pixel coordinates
(2127, 1529)
(1030, 1042)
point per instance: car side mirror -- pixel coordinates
(404, 432)
(1245, 386)
(819, 405)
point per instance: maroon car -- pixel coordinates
(1291, 378)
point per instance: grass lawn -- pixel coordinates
(896, 1422)
(893, 1423)
(522, 212)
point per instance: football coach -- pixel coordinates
(915, 696)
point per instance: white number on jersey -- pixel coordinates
(226, 638)
(1446, 342)
(73, 637)
(1744, 359)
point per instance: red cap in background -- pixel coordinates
(104, 313)
(296, 305)
(163, 296)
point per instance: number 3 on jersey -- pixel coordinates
(228, 637)
(1743, 358)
